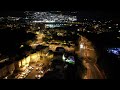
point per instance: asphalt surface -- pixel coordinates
(89, 60)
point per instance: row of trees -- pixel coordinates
(11, 40)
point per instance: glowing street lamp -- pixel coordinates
(81, 46)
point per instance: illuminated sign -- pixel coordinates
(70, 59)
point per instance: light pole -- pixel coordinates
(81, 49)
(81, 46)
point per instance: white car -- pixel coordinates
(41, 72)
(41, 64)
(49, 69)
(38, 76)
(37, 69)
(6, 77)
(21, 77)
(29, 71)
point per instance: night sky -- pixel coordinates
(11, 13)
(82, 12)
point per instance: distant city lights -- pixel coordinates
(41, 17)
(115, 51)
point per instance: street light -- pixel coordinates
(81, 46)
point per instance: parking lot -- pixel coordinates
(34, 70)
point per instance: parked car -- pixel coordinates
(37, 69)
(42, 64)
(37, 76)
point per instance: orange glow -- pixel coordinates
(23, 62)
(19, 63)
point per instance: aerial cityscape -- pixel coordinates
(59, 45)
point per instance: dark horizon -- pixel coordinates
(84, 12)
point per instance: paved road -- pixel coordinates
(32, 74)
(92, 71)
(89, 60)
(35, 72)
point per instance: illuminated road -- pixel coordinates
(88, 54)
(38, 67)
(86, 51)
(34, 72)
